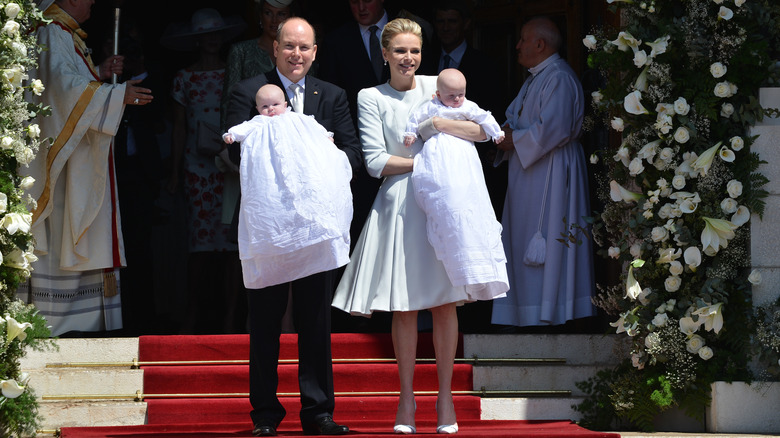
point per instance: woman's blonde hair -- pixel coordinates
(399, 26)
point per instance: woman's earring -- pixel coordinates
(385, 62)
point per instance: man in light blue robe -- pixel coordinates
(550, 282)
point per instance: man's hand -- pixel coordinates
(137, 95)
(114, 64)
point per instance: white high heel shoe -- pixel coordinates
(447, 429)
(406, 429)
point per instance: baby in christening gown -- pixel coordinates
(450, 188)
(296, 202)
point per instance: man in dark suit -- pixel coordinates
(295, 50)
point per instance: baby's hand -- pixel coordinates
(408, 140)
(228, 138)
(499, 140)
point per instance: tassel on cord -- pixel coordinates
(536, 251)
(110, 288)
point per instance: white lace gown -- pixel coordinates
(393, 266)
(450, 188)
(296, 203)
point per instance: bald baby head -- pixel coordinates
(451, 87)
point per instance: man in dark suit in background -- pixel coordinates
(295, 50)
(485, 87)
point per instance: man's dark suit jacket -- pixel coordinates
(311, 295)
(323, 100)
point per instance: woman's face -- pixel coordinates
(403, 54)
(270, 17)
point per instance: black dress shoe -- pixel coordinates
(324, 426)
(264, 429)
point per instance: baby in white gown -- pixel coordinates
(296, 202)
(450, 188)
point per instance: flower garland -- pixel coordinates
(20, 325)
(681, 80)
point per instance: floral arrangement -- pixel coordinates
(681, 80)
(20, 325)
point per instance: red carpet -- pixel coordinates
(210, 399)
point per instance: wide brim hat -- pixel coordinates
(181, 36)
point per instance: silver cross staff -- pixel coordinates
(116, 39)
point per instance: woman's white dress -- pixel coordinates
(296, 203)
(393, 266)
(450, 188)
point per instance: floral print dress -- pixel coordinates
(200, 92)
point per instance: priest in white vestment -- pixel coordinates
(76, 225)
(550, 283)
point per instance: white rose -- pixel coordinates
(682, 135)
(723, 89)
(594, 158)
(728, 205)
(737, 143)
(6, 142)
(26, 183)
(613, 252)
(676, 268)
(672, 284)
(33, 131)
(755, 277)
(19, 48)
(37, 87)
(718, 70)
(24, 155)
(11, 28)
(665, 211)
(734, 188)
(12, 10)
(726, 110)
(635, 167)
(3, 205)
(739, 2)
(14, 222)
(660, 320)
(678, 182)
(617, 124)
(681, 106)
(659, 234)
(705, 353)
(694, 344)
(590, 42)
(635, 250)
(596, 96)
(725, 13)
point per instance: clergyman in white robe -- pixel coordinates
(547, 191)
(76, 225)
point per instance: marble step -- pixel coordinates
(533, 378)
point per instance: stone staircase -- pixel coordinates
(98, 394)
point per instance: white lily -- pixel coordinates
(618, 193)
(725, 13)
(16, 329)
(633, 290)
(755, 277)
(688, 326)
(726, 154)
(692, 257)
(741, 216)
(716, 235)
(11, 389)
(704, 161)
(633, 105)
(641, 81)
(659, 45)
(712, 316)
(626, 40)
(649, 150)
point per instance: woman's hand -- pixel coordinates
(507, 144)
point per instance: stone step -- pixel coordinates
(576, 349)
(58, 414)
(544, 408)
(535, 377)
(82, 350)
(79, 381)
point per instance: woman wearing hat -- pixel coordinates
(212, 264)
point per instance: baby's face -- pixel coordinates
(451, 96)
(271, 107)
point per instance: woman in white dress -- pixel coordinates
(393, 266)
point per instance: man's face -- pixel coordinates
(80, 10)
(450, 28)
(295, 49)
(527, 48)
(367, 12)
